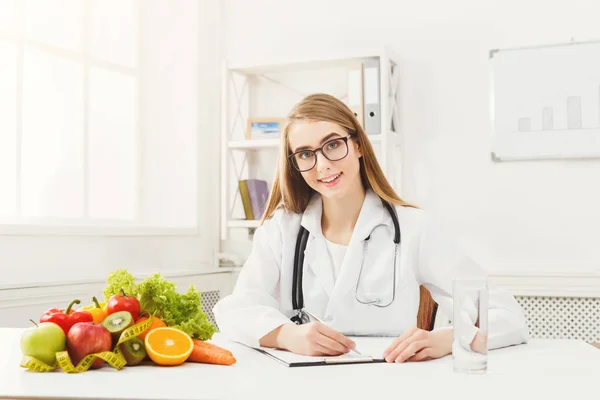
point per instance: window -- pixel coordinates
(79, 144)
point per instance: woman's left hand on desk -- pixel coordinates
(417, 345)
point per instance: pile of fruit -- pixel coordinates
(146, 321)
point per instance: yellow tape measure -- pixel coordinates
(113, 358)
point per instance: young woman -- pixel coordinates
(366, 254)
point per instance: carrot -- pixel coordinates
(202, 343)
(209, 353)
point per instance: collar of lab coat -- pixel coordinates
(372, 213)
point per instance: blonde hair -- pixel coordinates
(290, 190)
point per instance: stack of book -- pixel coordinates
(254, 193)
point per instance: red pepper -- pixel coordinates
(66, 318)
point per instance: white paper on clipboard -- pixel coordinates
(371, 349)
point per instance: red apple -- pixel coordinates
(87, 338)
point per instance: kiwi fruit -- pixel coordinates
(133, 350)
(117, 322)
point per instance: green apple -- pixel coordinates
(43, 341)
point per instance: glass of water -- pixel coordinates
(470, 324)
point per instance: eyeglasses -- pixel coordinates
(333, 150)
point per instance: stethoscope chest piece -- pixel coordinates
(300, 318)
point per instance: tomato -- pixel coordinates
(123, 302)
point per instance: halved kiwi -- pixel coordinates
(133, 350)
(117, 322)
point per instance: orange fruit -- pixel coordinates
(156, 323)
(168, 346)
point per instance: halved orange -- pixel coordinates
(168, 346)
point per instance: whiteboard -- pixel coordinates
(546, 102)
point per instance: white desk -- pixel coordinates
(542, 369)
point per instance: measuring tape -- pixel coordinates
(114, 358)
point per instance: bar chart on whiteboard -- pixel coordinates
(563, 114)
(546, 102)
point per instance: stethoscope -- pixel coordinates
(302, 316)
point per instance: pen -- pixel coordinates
(321, 321)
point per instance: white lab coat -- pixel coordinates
(262, 298)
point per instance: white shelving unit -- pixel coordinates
(270, 90)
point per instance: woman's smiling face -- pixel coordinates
(332, 179)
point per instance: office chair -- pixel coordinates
(427, 310)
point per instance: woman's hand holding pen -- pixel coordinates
(314, 339)
(417, 345)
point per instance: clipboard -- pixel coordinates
(320, 361)
(371, 345)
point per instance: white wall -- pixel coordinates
(532, 218)
(179, 67)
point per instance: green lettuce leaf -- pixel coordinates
(183, 311)
(118, 279)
